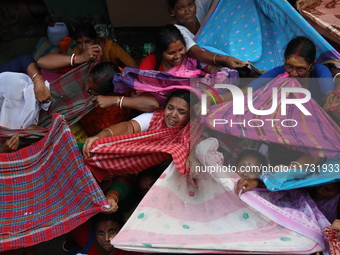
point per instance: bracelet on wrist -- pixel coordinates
(335, 76)
(109, 131)
(114, 196)
(63, 246)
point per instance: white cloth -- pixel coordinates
(188, 36)
(144, 120)
(202, 8)
(18, 105)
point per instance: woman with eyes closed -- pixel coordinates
(175, 114)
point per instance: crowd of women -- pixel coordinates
(158, 120)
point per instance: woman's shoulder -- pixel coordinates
(148, 63)
(321, 71)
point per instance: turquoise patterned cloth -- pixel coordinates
(258, 31)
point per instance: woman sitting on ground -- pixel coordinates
(89, 48)
(184, 16)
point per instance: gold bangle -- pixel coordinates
(214, 59)
(37, 79)
(113, 195)
(109, 131)
(35, 75)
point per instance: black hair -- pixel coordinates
(85, 30)
(104, 217)
(254, 153)
(281, 155)
(165, 36)
(303, 47)
(102, 75)
(188, 97)
(172, 3)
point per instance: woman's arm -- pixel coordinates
(145, 102)
(122, 128)
(214, 59)
(53, 62)
(119, 190)
(41, 92)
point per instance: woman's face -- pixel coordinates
(84, 42)
(184, 12)
(176, 112)
(105, 231)
(174, 54)
(326, 191)
(297, 66)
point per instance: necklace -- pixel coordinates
(167, 65)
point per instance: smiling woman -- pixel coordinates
(170, 56)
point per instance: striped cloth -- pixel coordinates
(315, 134)
(161, 84)
(133, 153)
(45, 189)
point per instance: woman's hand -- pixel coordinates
(247, 184)
(10, 145)
(113, 202)
(232, 62)
(87, 145)
(336, 225)
(104, 101)
(91, 53)
(41, 92)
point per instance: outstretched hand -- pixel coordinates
(246, 184)
(336, 225)
(113, 205)
(233, 63)
(104, 101)
(11, 144)
(87, 145)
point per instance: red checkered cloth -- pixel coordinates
(46, 190)
(132, 153)
(69, 96)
